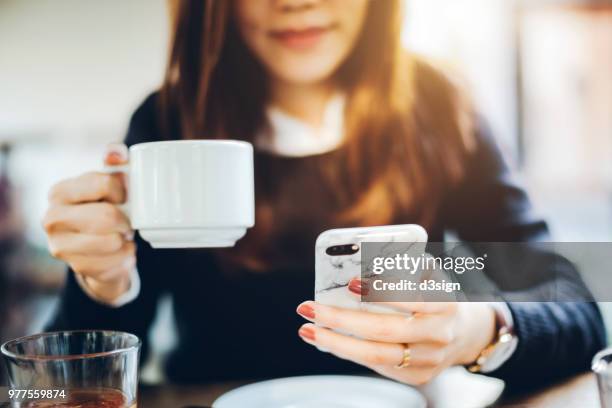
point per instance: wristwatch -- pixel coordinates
(503, 345)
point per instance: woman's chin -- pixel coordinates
(304, 70)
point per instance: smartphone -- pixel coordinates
(338, 259)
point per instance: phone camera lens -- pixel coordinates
(338, 250)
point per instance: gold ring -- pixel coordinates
(405, 358)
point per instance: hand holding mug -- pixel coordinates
(177, 194)
(87, 229)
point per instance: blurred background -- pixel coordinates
(72, 71)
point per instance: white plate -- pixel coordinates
(323, 391)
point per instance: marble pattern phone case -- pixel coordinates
(334, 272)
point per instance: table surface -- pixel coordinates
(455, 388)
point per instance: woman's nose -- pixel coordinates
(296, 5)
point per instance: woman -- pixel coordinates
(349, 130)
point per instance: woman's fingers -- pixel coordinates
(410, 375)
(94, 186)
(65, 244)
(87, 230)
(349, 348)
(418, 307)
(90, 218)
(371, 353)
(380, 327)
(89, 187)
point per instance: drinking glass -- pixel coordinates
(73, 369)
(602, 366)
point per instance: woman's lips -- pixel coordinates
(300, 39)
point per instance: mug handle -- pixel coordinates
(125, 170)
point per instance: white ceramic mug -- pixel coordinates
(190, 193)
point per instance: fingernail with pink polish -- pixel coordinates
(307, 333)
(358, 287)
(307, 311)
(116, 154)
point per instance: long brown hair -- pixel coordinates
(407, 128)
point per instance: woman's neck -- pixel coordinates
(305, 102)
